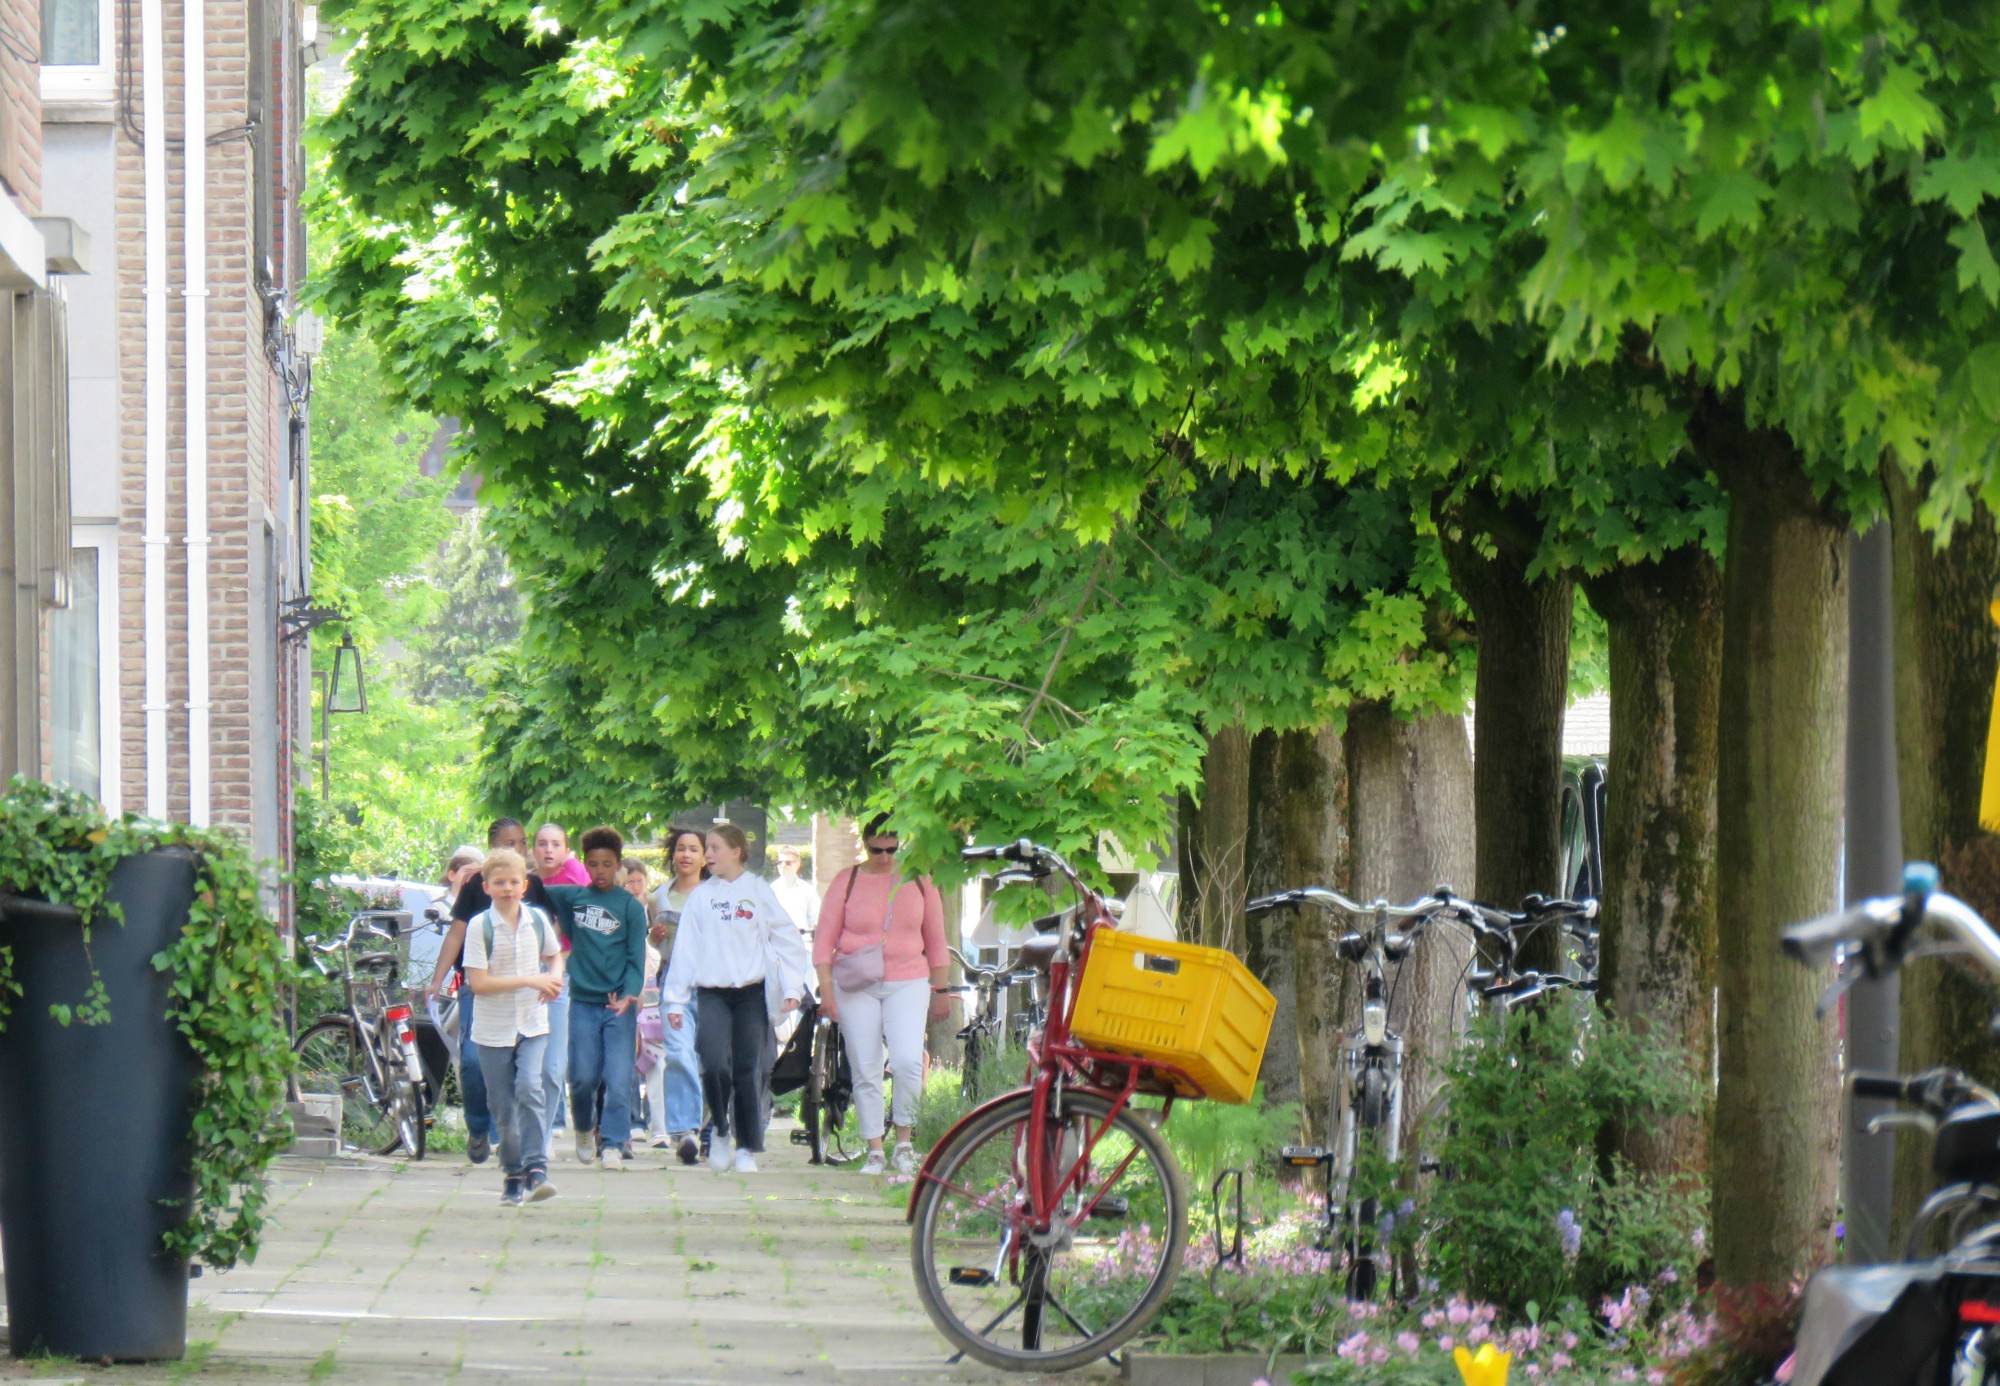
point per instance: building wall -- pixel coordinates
(21, 103)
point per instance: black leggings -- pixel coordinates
(731, 1027)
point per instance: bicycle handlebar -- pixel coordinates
(1881, 931)
(1938, 1091)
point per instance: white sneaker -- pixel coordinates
(905, 1158)
(746, 1163)
(720, 1152)
(877, 1163)
(586, 1147)
(613, 1158)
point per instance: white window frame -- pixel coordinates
(110, 758)
(86, 81)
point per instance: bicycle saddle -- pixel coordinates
(381, 960)
(1039, 951)
(1967, 1147)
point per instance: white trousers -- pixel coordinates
(888, 1015)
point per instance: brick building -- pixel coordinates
(165, 682)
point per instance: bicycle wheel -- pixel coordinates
(811, 1102)
(1363, 1251)
(411, 1128)
(835, 1096)
(1049, 1300)
(332, 1063)
(968, 1073)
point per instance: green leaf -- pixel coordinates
(1962, 183)
(1734, 199)
(1900, 107)
(1976, 268)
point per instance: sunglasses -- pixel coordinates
(885, 851)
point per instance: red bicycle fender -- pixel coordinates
(944, 1143)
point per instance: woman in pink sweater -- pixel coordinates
(868, 907)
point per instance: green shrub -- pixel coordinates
(1526, 1208)
(1210, 1137)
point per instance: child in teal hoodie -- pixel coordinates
(607, 972)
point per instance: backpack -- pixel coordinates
(534, 917)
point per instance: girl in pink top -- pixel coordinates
(554, 862)
(867, 905)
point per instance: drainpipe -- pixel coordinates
(194, 51)
(153, 104)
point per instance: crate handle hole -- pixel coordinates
(1154, 962)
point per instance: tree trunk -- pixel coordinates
(1658, 925)
(1946, 656)
(1783, 717)
(1410, 787)
(1313, 846)
(1213, 833)
(1521, 694)
(1268, 948)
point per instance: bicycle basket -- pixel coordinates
(1196, 1008)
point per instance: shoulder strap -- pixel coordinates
(534, 917)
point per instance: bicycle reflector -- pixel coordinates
(1979, 1312)
(1304, 1156)
(971, 1275)
(399, 1016)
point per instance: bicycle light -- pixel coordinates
(1375, 1020)
(399, 1018)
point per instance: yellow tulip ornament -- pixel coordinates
(1487, 1367)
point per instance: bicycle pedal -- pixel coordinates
(1304, 1156)
(970, 1275)
(1110, 1208)
(802, 1137)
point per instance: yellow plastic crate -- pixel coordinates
(1196, 1008)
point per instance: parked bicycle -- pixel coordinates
(1932, 1321)
(828, 1095)
(1017, 1212)
(982, 1035)
(1367, 1112)
(363, 1058)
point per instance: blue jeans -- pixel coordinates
(514, 1083)
(602, 1047)
(472, 1075)
(683, 1071)
(556, 1070)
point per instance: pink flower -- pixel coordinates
(1446, 1344)
(1409, 1342)
(1458, 1314)
(1353, 1347)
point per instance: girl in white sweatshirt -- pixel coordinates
(742, 962)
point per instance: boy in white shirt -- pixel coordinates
(513, 963)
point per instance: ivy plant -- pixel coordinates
(228, 971)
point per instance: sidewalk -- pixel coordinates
(378, 1271)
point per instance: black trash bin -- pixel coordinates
(83, 1210)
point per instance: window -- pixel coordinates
(83, 677)
(76, 50)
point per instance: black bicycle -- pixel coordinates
(361, 1062)
(981, 1035)
(828, 1092)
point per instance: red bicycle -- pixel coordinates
(1048, 1226)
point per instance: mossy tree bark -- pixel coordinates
(1212, 839)
(1658, 942)
(1410, 787)
(1268, 938)
(1782, 769)
(1946, 657)
(1522, 692)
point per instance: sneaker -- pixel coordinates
(661, 1141)
(877, 1163)
(690, 1148)
(586, 1147)
(720, 1151)
(510, 1194)
(905, 1158)
(539, 1187)
(746, 1163)
(477, 1148)
(613, 1158)
(626, 1150)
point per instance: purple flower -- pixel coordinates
(1570, 1231)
